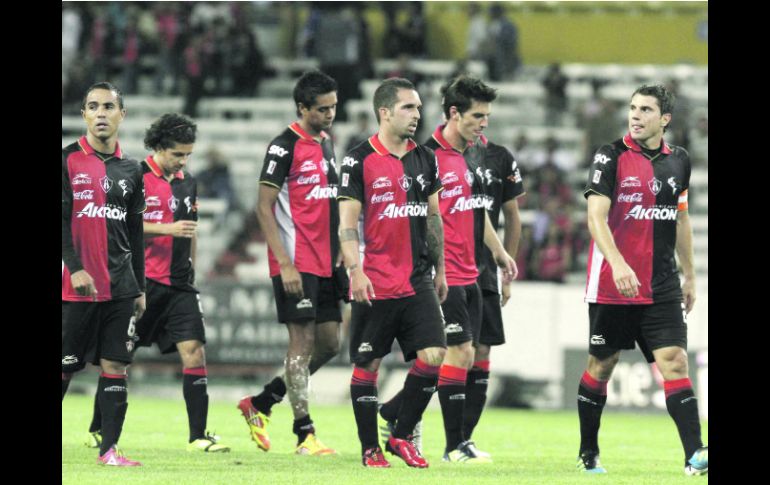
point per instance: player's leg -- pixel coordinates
(297, 372)
(327, 344)
(78, 330)
(476, 392)
(592, 396)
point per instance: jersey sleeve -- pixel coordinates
(601, 173)
(352, 178)
(682, 202)
(136, 204)
(435, 180)
(68, 254)
(513, 185)
(277, 163)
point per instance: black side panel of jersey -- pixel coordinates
(182, 271)
(419, 161)
(474, 157)
(327, 148)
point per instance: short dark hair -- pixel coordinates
(108, 87)
(386, 94)
(311, 85)
(462, 91)
(665, 97)
(168, 130)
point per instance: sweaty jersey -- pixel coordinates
(462, 203)
(502, 182)
(96, 197)
(646, 197)
(394, 207)
(306, 210)
(167, 258)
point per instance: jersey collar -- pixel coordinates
(156, 170)
(380, 148)
(630, 143)
(296, 128)
(443, 143)
(89, 150)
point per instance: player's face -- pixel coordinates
(405, 115)
(102, 114)
(321, 115)
(474, 121)
(645, 122)
(171, 160)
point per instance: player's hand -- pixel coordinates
(140, 305)
(506, 294)
(688, 292)
(184, 229)
(506, 263)
(442, 289)
(339, 260)
(361, 286)
(84, 284)
(292, 280)
(625, 280)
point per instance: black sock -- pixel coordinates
(592, 395)
(363, 394)
(96, 419)
(194, 389)
(113, 396)
(390, 409)
(303, 427)
(475, 398)
(418, 388)
(273, 393)
(451, 394)
(65, 383)
(682, 405)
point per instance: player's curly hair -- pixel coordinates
(311, 85)
(168, 130)
(462, 91)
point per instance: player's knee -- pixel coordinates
(113, 367)
(195, 357)
(601, 368)
(433, 356)
(675, 367)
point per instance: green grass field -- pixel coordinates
(528, 447)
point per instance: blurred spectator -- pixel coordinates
(555, 85)
(600, 127)
(504, 58)
(552, 152)
(525, 253)
(552, 258)
(71, 27)
(247, 63)
(131, 46)
(411, 35)
(363, 132)
(365, 64)
(477, 44)
(169, 28)
(548, 184)
(525, 152)
(306, 39)
(699, 140)
(678, 131)
(194, 73)
(214, 181)
(404, 69)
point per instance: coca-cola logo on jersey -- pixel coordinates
(635, 197)
(312, 179)
(455, 191)
(385, 197)
(83, 195)
(153, 216)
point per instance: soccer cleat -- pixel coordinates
(478, 452)
(115, 457)
(257, 421)
(373, 458)
(312, 446)
(94, 439)
(588, 462)
(405, 449)
(417, 436)
(464, 453)
(698, 462)
(387, 428)
(209, 443)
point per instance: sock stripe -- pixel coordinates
(676, 386)
(595, 385)
(195, 371)
(421, 369)
(453, 373)
(112, 376)
(482, 365)
(362, 377)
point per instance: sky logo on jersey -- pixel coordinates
(381, 182)
(319, 192)
(392, 211)
(657, 213)
(92, 210)
(600, 158)
(631, 182)
(405, 182)
(474, 202)
(152, 201)
(455, 191)
(106, 183)
(312, 179)
(380, 198)
(349, 162)
(307, 166)
(449, 177)
(81, 178)
(83, 195)
(655, 185)
(635, 197)
(276, 150)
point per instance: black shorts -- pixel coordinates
(92, 331)
(415, 321)
(321, 302)
(462, 312)
(492, 331)
(618, 327)
(172, 316)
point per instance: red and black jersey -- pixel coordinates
(306, 210)
(502, 183)
(167, 258)
(394, 197)
(96, 198)
(646, 197)
(462, 203)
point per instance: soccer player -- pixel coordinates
(174, 318)
(102, 264)
(299, 215)
(638, 218)
(392, 184)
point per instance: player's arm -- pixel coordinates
(292, 281)
(81, 281)
(511, 238)
(684, 249)
(360, 285)
(436, 246)
(182, 228)
(625, 278)
(502, 258)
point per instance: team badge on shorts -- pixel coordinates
(106, 183)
